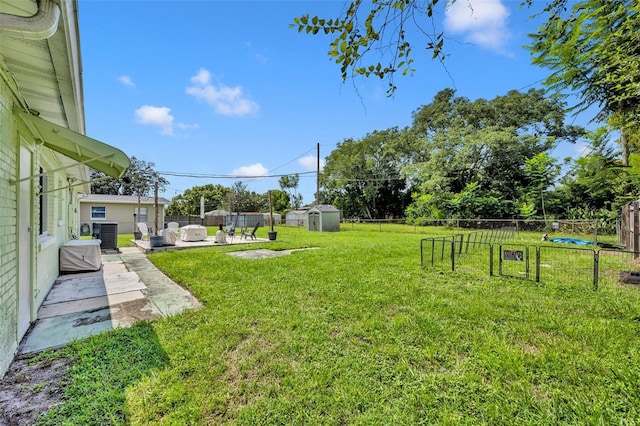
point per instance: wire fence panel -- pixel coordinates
(514, 260)
(436, 251)
(473, 256)
(564, 266)
(618, 267)
(448, 249)
(568, 266)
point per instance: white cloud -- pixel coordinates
(484, 22)
(225, 100)
(156, 116)
(582, 148)
(262, 58)
(185, 126)
(126, 80)
(310, 162)
(202, 78)
(253, 170)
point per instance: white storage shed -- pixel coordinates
(296, 218)
(323, 218)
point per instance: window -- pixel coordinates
(143, 214)
(44, 203)
(98, 212)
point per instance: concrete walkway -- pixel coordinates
(128, 288)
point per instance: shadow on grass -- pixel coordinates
(103, 367)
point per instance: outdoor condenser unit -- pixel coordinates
(107, 232)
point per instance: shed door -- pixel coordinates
(314, 221)
(24, 243)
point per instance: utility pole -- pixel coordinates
(155, 197)
(318, 177)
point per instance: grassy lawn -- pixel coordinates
(355, 332)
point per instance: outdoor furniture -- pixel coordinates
(173, 225)
(230, 229)
(80, 255)
(142, 227)
(193, 233)
(169, 236)
(251, 234)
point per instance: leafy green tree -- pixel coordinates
(594, 179)
(280, 201)
(474, 203)
(541, 171)
(289, 184)
(363, 177)
(478, 150)
(243, 200)
(140, 179)
(188, 203)
(592, 48)
(377, 25)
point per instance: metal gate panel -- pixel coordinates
(514, 261)
(568, 266)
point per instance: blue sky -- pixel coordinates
(228, 89)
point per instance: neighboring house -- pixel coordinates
(123, 209)
(43, 155)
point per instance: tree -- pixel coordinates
(280, 200)
(140, 179)
(478, 151)
(593, 180)
(595, 47)
(188, 203)
(289, 184)
(382, 27)
(593, 50)
(363, 177)
(541, 172)
(243, 200)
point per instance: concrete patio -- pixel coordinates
(145, 246)
(126, 289)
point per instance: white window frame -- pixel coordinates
(44, 204)
(144, 214)
(94, 217)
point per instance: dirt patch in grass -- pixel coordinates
(30, 388)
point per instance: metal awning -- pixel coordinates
(91, 152)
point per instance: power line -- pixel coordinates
(213, 176)
(297, 158)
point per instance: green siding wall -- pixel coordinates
(8, 230)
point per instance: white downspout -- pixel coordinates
(40, 26)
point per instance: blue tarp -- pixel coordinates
(572, 241)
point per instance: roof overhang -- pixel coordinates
(85, 150)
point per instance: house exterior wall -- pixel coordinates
(8, 228)
(59, 225)
(122, 213)
(43, 247)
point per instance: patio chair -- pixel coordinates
(251, 234)
(142, 227)
(230, 229)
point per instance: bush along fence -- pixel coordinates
(564, 265)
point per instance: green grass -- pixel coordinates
(355, 332)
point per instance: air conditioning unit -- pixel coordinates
(107, 232)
